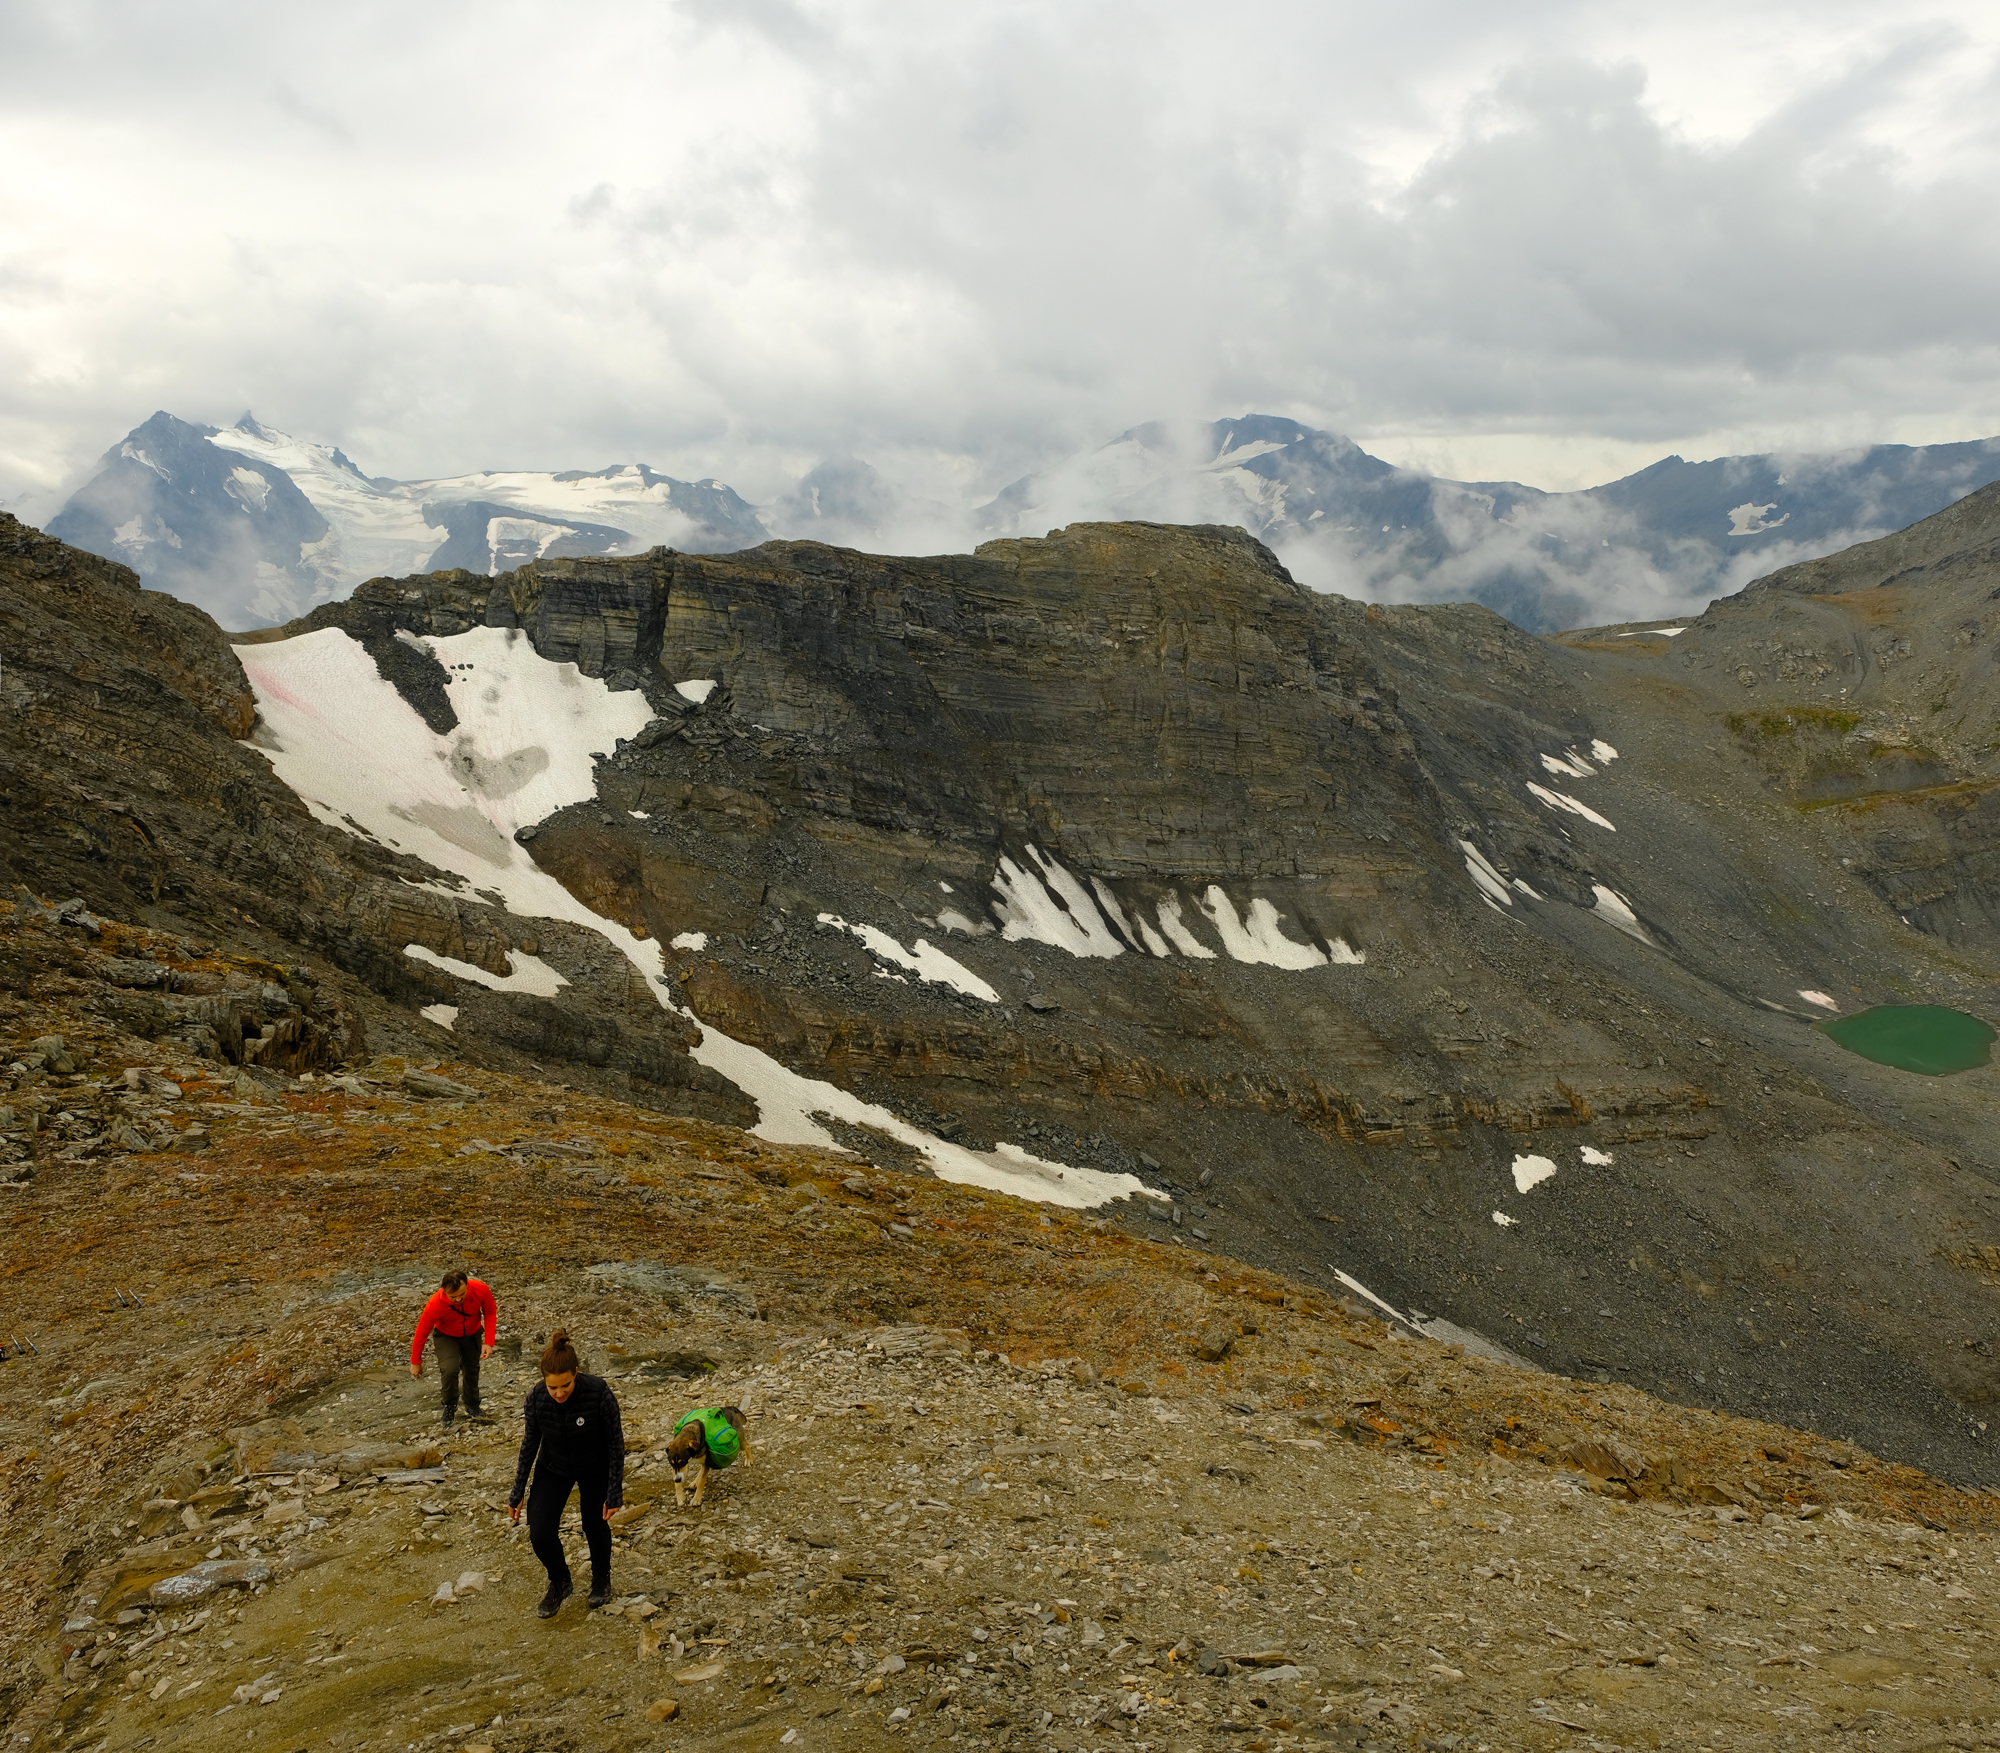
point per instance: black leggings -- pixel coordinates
(547, 1497)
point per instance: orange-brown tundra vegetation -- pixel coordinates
(1235, 1510)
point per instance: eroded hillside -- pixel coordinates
(1016, 1477)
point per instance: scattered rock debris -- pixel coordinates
(995, 1496)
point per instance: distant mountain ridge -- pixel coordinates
(1657, 544)
(257, 526)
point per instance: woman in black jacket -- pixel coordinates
(572, 1420)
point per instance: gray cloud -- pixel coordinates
(958, 242)
(309, 115)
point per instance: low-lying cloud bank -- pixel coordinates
(961, 242)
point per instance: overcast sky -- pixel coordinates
(733, 237)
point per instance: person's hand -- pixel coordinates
(417, 1368)
(607, 1510)
(514, 1513)
(485, 1353)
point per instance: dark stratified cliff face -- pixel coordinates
(1390, 943)
(126, 780)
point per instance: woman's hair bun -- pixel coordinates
(560, 1358)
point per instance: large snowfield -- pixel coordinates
(528, 738)
(394, 528)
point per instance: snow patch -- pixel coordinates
(1361, 1290)
(1491, 885)
(1169, 911)
(1115, 913)
(1561, 800)
(1604, 752)
(1436, 1328)
(697, 692)
(1750, 520)
(1596, 1158)
(526, 745)
(925, 961)
(528, 973)
(950, 919)
(507, 536)
(1048, 905)
(248, 486)
(1256, 938)
(1531, 1171)
(444, 1015)
(1504, 1221)
(689, 940)
(1570, 766)
(786, 1102)
(1818, 998)
(1042, 901)
(1615, 910)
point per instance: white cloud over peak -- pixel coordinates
(960, 242)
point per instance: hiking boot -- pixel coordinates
(444, 1420)
(599, 1594)
(478, 1415)
(557, 1595)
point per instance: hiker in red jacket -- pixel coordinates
(452, 1319)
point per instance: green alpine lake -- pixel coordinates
(1926, 1038)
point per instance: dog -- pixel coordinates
(696, 1448)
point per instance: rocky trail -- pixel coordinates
(1018, 1477)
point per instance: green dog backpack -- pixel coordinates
(724, 1443)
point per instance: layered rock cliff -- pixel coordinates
(1386, 942)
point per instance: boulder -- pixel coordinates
(205, 1579)
(1213, 1341)
(276, 1446)
(429, 1083)
(1606, 1458)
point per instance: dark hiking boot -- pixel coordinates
(557, 1595)
(444, 1420)
(599, 1594)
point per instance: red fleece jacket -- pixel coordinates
(456, 1323)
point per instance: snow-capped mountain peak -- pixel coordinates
(257, 525)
